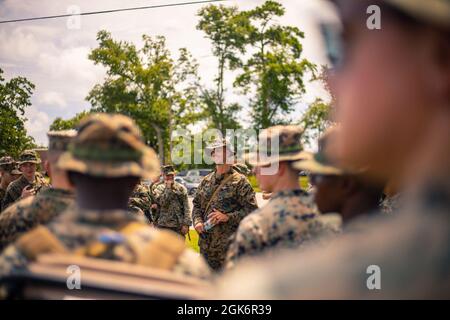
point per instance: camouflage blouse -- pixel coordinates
(288, 220)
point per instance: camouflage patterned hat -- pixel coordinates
(320, 162)
(28, 156)
(168, 169)
(6, 160)
(110, 146)
(289, 146)
(436, 12)
(8, 164)
(218, 143)
(59, 140)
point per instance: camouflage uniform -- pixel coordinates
(236, 199)
(140, 202)
(411, 249)
(32, 211)
(27, 213)
(288, 220)
(242, 169)
(7, 164)
(408, 251)
(174, 211)
(106, 146)
(14, 190)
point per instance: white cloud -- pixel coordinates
(37, 124)
(56, 60)
(53, 98)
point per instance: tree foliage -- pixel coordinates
(226, 30)
(61, 124)
(275, 70)
(148, 85)
(316, 119)
(15, 97)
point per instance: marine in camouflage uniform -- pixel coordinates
(399, 256)
(141, 201)
(7, 168)
(27, 213)
(106, 148)
(290, 218)
(173, 212)
(235, 199)
(14, 190)
(351, 192)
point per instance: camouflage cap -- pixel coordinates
(6, 160)
(8, 164)
(59, 140)
(110, 145)
(28, 156)
(320, 162)
(168, 169)
(289, 146)
(218, 143)
(436, 12)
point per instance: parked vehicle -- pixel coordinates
(190, 186)
(196, 175)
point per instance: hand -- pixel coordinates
(199, 227)
(218, 217)
(184, 230)
(154, 206)
(27, 191)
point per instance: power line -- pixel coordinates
(111, 11)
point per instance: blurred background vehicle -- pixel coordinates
(196, 175)
(190, 186)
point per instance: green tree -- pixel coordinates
(317, 117)
(15, 97)
(274, 72)
(315, 120)
(147, 84)
(61, 124)
(226, 30)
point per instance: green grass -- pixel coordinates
(303, 181)
(194, 240)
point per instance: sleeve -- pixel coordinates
(246, 240)
(197, 212)
(247, 200)
(7, 199)
(187, 210)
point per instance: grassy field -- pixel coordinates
(194, 240)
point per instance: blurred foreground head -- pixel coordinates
(106, 160)
(110, 146)
(393, 84)
(348, 191)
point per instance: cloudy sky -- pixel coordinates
(53, 55)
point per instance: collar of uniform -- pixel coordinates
(103, 217)
(221, 176)
(289, 193)
(57, 192)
